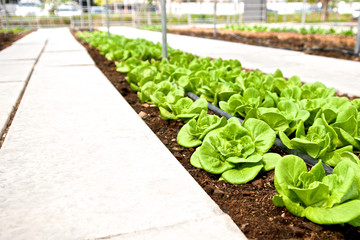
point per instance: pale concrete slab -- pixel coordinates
(38, 37)
(70, 58)
(62, 40)
(9, 94)
(343, 75)
(21, 52)
(198, 230)
(78, 163)
(14, 71)
(60, 46)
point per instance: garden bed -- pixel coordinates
(315, 44)
(6, 39)
(249, 205)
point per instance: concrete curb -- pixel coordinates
(16, 65)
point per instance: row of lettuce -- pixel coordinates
(303, 30)
(306, 117)
(14, 30)
(260, 28)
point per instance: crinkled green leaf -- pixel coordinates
(339, 214)
(192, 133)
(261, 133)
(270, 160)
(275, 120)
(243, 173)
(287, 172)
(294, 207)
(195, 160)
(306, 146)
(278, 201)
(315, 195)
(285, 140)
(185, 138)
(334, 157)
(252, 159)
(211, 160)
(318, 171)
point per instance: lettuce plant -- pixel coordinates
(237, 151)
(331, 199)
(140, 75)
(319, 140)
(316, 90)
(218, 91)
(340, 114)
(193, 132)
(239, 105)
(292, 93)
(128, 64)
(160, 93)
(334, 157)
(285, 117)
(184, 109)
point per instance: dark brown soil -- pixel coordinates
(315, 44)
(6, 39)
(249, 205)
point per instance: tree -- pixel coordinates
(324, 7)
(324, 10)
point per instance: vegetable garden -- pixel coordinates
(8, 37)
(307, 118)
(302, 30)
(308, 40)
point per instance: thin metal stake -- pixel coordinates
(6, 16)
(82, 17)
(357, 45)
(214, 18)
(239, 20)
(115, 7)
(107, 18)
(21, 22)
(89, 14)
(188, 15)
(303, 15)
(163, 28)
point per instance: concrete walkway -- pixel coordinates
(79, 163)
(342, 75)
(16, 65)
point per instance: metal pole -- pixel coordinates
(21, 22)
(188, 15)
(115, 7)
(89, 14)
(163, 28)
(133, 15)
(239, 11)
(6, 16)
(214, 18)
(285, 13)
(148, 12)
(357, 45)
(303, 15)
(82, 16)
(38, 22)
(107, 17)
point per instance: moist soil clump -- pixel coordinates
(315, 44)
(6, 39)
(249, 205)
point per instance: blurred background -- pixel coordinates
(140, 13)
